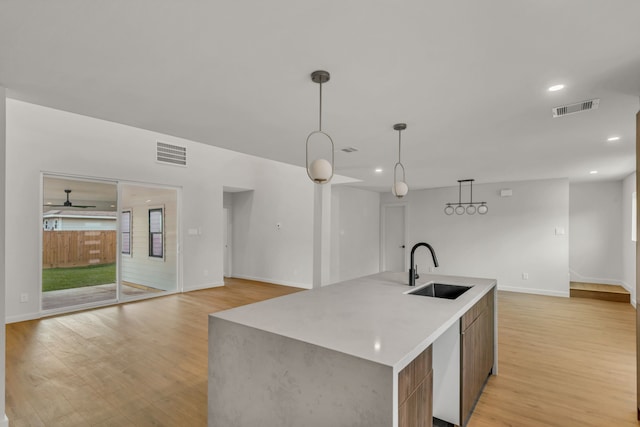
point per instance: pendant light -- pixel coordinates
(471, 207)
(400, 187)
(320, 170)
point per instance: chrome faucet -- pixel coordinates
(413, 274)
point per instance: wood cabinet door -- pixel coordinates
(417, 410)
(476, 361)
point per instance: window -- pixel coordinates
(125, 232)
(156, 233)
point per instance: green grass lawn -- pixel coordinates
(54, 279)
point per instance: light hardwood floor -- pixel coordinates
(563, 362)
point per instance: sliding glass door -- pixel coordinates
(79, 242)
(105, 242)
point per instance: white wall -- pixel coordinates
(139, 267)
(628, 246)
(41, 139)
(355, 233)
(262, 251)
(227, 200)
(595, 219)
(516, 236)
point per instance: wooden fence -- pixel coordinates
(78, 248)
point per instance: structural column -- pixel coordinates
(4, 422)
(638, 270)
(321, 235)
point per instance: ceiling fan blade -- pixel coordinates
(68, 203)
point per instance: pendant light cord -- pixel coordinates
(399, 145)
(320, 117)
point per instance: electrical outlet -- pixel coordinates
(24, 297)
(525, 276)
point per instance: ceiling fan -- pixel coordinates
(68, 203)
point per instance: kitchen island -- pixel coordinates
(355, 353)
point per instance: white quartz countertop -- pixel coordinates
(370, 317)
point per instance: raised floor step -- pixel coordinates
(599, 291)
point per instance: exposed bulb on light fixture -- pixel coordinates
(400, 189)
(320, 171)
(469, 207)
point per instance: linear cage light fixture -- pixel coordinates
(471, 206)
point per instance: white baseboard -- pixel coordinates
(4, 422)
(204, 286)
(577, 277)
(564, 294)
(274, 281)
(21, 318)
(627, 287)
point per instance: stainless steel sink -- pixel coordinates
(440, 290)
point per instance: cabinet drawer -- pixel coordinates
(417, 410)
(413, 374)
(473, 313)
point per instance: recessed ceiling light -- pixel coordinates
(556, 88)
(378, 170)
(147, 201)
(113, 206)
(613, 138)
(593, 172)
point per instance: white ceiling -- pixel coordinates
(468, 77)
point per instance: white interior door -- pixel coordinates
(394, 238)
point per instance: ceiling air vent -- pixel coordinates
(578, 107)
(171, 154)
(349, 149)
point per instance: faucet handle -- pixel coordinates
(415, 269)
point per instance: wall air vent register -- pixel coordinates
(171, 154)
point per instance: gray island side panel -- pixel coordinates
(257, 378)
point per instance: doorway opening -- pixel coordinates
(149, 240)
(104, 242)
(393, 250)
(79, 242)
